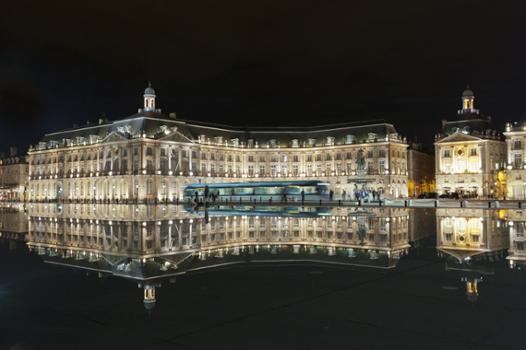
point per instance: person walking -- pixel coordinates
(302, 196)
(207, 192)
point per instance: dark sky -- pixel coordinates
(259, 62)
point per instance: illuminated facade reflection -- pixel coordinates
(471, 240)
(147, 244)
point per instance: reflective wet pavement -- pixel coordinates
(170, 277)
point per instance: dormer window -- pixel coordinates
(295, 143)
(349, 139)
(218, 139)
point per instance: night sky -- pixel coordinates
(259, 62)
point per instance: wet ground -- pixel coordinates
(260, 306)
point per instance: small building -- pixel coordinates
(516, 160)
(421, 170)
(14, 171)
(470, 154)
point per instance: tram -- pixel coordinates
(314, 190)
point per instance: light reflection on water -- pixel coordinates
(152, 244)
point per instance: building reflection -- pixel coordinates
(516, 228)
(471, 241)
(13, 224)
(150, 244)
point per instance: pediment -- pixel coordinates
(459, 137)
(175, 136)
(461, 254)
(114, 137)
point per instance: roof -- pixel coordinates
(468, 92)
(153, 124)
(256, 184)
(149, 90)
(475, 125)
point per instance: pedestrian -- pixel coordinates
(302, 196)
(207, 192)
(331, 195)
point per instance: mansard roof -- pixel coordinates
(477, 126)
(156, 125)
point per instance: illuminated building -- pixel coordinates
(150, 156)
(421, 171)
(469, 154)
(13, 177)
(516, 162)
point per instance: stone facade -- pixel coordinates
(151, 157)
(516, 161)
(469, 154)
(421, 170)
(13, 178)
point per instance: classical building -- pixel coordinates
(13, 177)
(516, 161)
(150, 156)
(469, 154)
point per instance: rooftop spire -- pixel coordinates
(149, 98)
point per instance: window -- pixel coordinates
(518, 161)
(261, 170)
(309, 158)
(517, 144)
(473, 152)
(447, 153)
(369, 154)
